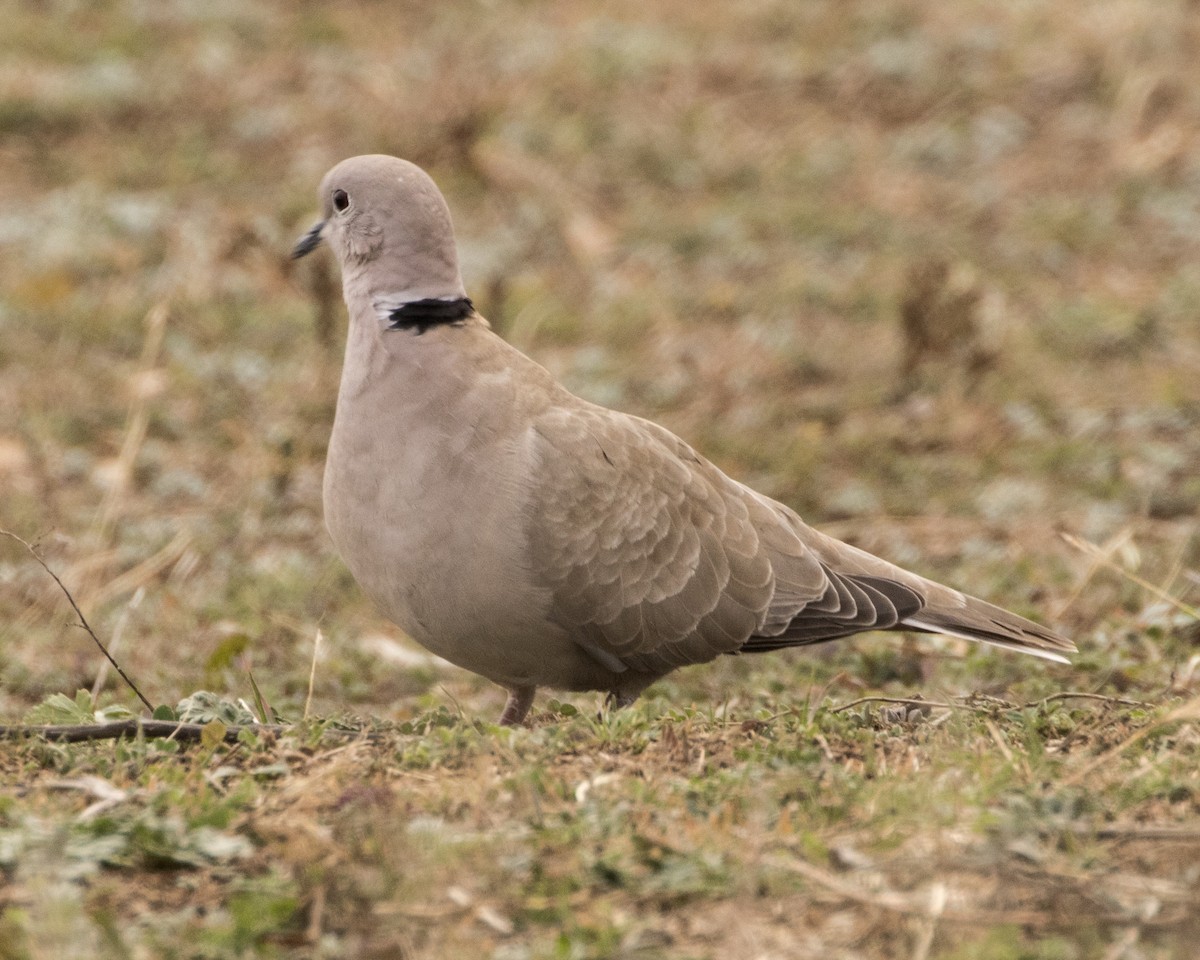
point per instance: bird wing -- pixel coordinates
(655, 558)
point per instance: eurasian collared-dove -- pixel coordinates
(541, 540)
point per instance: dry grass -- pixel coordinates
(725, 217)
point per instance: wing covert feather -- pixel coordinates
(650, 552)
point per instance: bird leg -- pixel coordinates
(614, 700)
(520, 699)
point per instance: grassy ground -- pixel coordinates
(928, 272)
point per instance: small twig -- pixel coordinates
(79, 613)
(838, 677)
(1120, 701)
(993, 705)
(151, 729)
(163, 730)
(909, 701)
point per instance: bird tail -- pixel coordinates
(946, 610)
(978, 620)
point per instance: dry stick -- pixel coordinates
(997, 705)
(1121, 701)
(79, 613)
(151, 729)
(161, 730)
(909, 701)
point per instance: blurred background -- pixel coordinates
(927, 272)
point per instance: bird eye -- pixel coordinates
(341, 200)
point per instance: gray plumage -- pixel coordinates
(538, 539)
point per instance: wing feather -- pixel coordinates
(654, 557)
(650, 552)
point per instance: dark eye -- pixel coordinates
(341, 200)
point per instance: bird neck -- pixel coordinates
(404, 340)
(420, 315)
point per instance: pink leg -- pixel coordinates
(520, 699)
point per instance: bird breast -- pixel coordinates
(425, 495)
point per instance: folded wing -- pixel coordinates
(655, 559)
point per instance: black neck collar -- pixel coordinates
(420, 315)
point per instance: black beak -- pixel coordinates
(309, 242)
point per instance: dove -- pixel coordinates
(540, 540)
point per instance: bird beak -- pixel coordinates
(309, 242)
